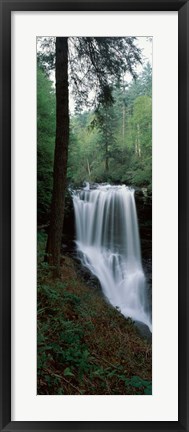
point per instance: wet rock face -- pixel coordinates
(144, 213)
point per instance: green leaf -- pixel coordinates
(68, 372)
(148, 391)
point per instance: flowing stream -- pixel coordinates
(107, 239)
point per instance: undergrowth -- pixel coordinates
(84, 345)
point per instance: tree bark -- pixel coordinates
(123, 124)
(60, 157)
(138, 140)
(88, 168)
(107, 160)
(106, 144)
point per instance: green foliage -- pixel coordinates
(45, 144)
(94, 63)
(140, 383)
(98, 63)
(84, 345)
(61, 344)
(114, 143)
(78, 340)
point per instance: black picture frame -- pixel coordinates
(6, 7)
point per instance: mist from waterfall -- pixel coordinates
(108, 243)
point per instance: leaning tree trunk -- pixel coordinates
(60, 157)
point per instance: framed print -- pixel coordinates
(94, 210)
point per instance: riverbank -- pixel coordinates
(84, 345)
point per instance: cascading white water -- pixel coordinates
(109, 246)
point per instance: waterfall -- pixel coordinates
(107, 239)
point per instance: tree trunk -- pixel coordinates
(138, 140)
(88, 168)
(106, 144)
(123, 124)
(107, 161)
(60, 157)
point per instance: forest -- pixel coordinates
(96, 151)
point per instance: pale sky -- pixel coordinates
(146, 44)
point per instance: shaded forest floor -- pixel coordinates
(84, 345)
